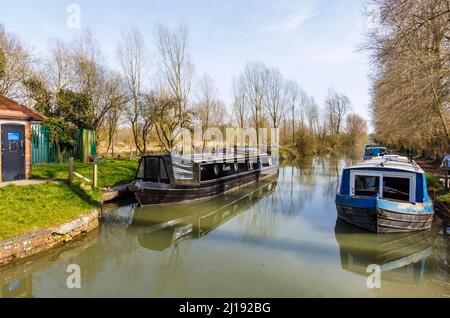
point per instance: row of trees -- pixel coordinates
(155, 91)
(410, 49)
(262, 97)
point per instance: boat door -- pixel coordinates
(13, 152)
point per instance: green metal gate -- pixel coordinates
(44, 151)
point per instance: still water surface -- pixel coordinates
(272, 239)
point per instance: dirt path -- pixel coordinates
(430, 166)
(28, 182)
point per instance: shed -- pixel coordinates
(15, 141)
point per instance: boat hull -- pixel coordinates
(380, 220)
(384, 216)
(151, 196)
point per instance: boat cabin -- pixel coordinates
(177, 178)
(200, 168)
(388, 177)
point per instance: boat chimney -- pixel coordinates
(409, 153)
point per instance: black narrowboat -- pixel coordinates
(163, 179)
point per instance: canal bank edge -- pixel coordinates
(34, 242)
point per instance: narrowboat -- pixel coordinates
(173, 178)
(374, 151)
(385, 195)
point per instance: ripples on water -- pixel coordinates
(273, 239)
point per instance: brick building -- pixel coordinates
(15, 139)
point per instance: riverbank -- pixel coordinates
(37, 217)
(436, 190)
(31, 207)
(36, 241)
(440, 196)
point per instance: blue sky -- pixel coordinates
(311, 41)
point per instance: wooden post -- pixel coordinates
(70, 170)
(94, 177)
(446, 177)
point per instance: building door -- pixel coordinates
(13, 152)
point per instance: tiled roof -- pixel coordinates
(11, 109)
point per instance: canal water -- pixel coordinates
(279, 238)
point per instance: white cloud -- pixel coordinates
(293, 22)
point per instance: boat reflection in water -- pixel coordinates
(159, 227)
(401, 257)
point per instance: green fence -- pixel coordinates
(44, 151)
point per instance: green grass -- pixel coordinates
(440, 196)
(436, 188)
(27, 208)
(110, 172)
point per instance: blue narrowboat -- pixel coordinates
(385, 194)
(374, 151)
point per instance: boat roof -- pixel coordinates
(375, 147)
(202, 158)
(389, 162)
(222, 155)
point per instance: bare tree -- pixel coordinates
(355, 129)
(206, 99)
(337, 106)
(255, 78)
(94, 79)
(114, 113)
(296, 100)
(132, 55)
(409, 46)
(167, 120)
(175, 64)
(275, 96)
(312, 115)
(149, 114)
(209, 110)
(240, 105)
(15, 65)
(59, 69)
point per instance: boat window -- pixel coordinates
(140, 173)
(163, 177)
(367, 185)
(396, 188)
(155, 170)
(151, 169)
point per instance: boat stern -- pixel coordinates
(359, 211)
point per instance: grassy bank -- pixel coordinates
(110, 172)
(439, 195)
(28, 208)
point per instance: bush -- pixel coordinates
(305, 142)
